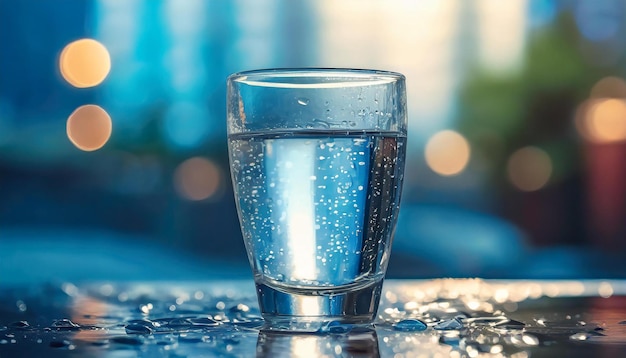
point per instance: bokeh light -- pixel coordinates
(529, 168)
(603, 121)
(609, 87)
(89, 127)
(447, 153)
(598, 20)
(197, 179)
(84, 63)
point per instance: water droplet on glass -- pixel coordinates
(408, 325)
(303, 101)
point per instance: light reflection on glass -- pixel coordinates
(89, 127)
(529, 168)
(447, 153)
(197, 179)
(296, 194)
(84, 63)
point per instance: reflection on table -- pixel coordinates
(436, 318)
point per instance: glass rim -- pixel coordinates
(319, 77)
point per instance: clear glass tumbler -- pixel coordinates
(317, 162)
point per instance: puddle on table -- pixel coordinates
(441, 318)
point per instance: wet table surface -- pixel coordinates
(417, 318)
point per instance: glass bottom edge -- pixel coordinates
(285, 310)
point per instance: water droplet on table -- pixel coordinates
(60, 343)
(138, 329)
(451, 324)
(191, 338)
(409, 325)
(510, 324)
(530, 340)
(240, 308)
(64, 325)
(21, 325)
(318, 123)
(128, 340)
(580, 336)
(204, 321)
(336, 327)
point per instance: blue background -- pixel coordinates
(505, 75)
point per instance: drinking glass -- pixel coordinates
(317, 163)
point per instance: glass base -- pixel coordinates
(323, 310)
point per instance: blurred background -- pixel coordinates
(113, 159)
